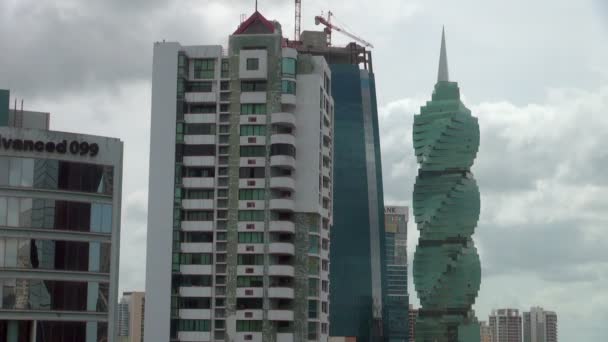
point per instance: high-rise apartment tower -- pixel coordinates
(59, 231)
(240, 199)
(540, 325)
(505, 325)
(131, 317)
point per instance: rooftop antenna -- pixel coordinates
(256, 5)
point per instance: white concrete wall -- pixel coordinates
(261, 72)
(160, 203)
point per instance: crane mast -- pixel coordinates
(298, 21)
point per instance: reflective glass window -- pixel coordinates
(289, 67)
(288, 87)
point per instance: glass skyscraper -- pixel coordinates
(397, 299)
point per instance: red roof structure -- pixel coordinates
(256, 24)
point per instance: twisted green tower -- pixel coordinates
(447, 271)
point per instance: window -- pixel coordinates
(201, 87)
(253, 326)
(200, 129)
(324, 286)
(252, 172)
(253, 64)
(313, 310)
(196, 259)
(198, 150)
(288, 87)
(198, 215)
(313, 287)
(192, 280)
(313, 265)
(204, 68)
(194, 303)
(247, 86)
(312, 330)
(251, 281)
(282, 150)
(289, 67)
(253, 109)
(202, 109)
(250, 259)
(313, 244)
(196, 237)
(255, 130)
(251, 237)
(253, 151)
(251, 215)
(252, 194)
(194, 325)
(198, 172)
(225, 68)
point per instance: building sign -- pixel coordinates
(74, 147)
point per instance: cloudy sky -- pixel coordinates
(535, 73)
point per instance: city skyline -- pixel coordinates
(516, 105)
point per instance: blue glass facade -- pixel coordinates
(357, 277)
(397, 299)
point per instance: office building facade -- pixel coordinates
(131, 317)
(540, 325)
(446, 203)
(412, 317)
(240, 197)
(358, 279)
(59, 231)
(505, 325)
(485, 332)
(397, 299)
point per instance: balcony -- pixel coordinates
(196, 247)
(251, 226)
(285, 337)
(194, 314)
(253, 97)
(200, 118)
(283, 139)
(280, 315)
(199, 161)
(286, 204)
(199, 139)
(283, 161)
(281, 270)
(249, 183)
(250, 248)
(281, 248)
(198, 182)
(282, 227)
(250, 205)
(194, 291)
(282, 183)
(196, 97)
(252, 119)
(250, 292)
(253, 161)
(191, 336)
(288, 99)
(206, 226)
(280, 292)
(197, 204)
(286, 119)
(196, 269)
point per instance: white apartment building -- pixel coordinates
(240, 195)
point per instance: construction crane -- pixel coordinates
(298, 20)
(329, 26)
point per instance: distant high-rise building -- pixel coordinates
(241, 190)
(357, 238)
(412, 317)
(505, 325)
(540, 325)
(131, 317)
(446, 203)
(485, 332)
(397, 299)
(60, 196)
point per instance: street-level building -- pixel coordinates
(240, 196)
(59, 231)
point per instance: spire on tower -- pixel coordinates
(443, 74)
